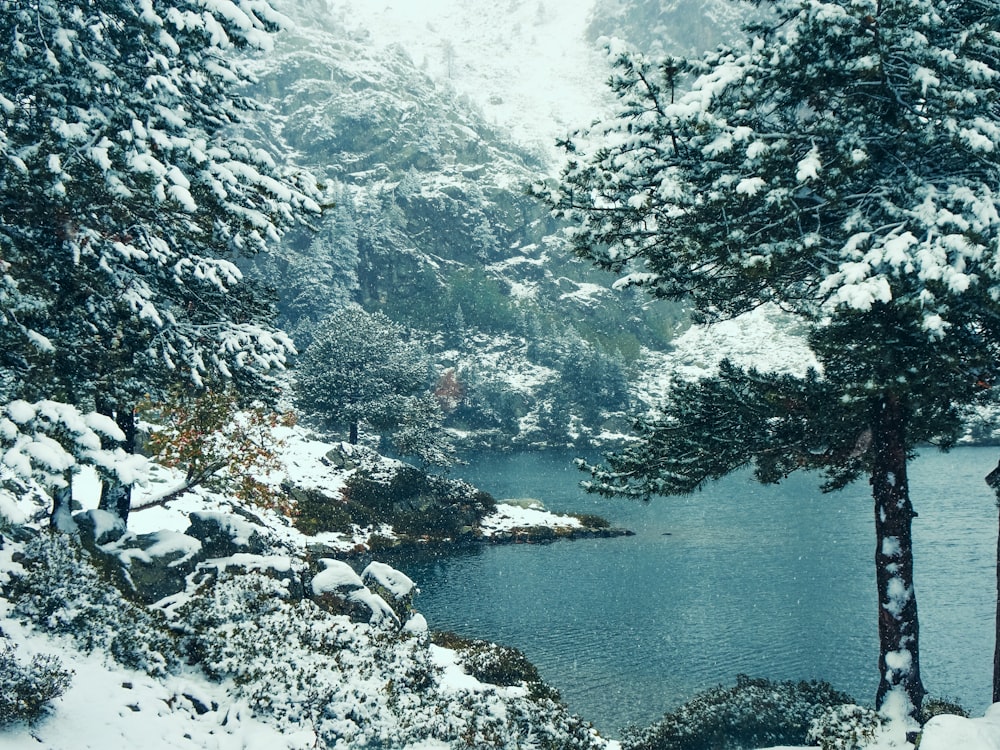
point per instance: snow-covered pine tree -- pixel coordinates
(323, 278)
(420, 432)
(359, 368)
(841, 162)
(124, 199)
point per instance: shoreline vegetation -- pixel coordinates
(168, 578)
(225, 613)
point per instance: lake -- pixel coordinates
(773, 582)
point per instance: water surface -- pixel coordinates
(773, 582)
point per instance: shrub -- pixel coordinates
(754, 713)
(415, 503)
(26, 690)
(591, 521)
(846, 727)
(316, 512)
(933, 706)
(62, 591)
(498, 665)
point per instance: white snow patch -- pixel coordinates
(809, 167)
(947, 732)
(750, 186)
(510, 515)
(899, 596)
(335, 576)
(765, 338)
(395, 582)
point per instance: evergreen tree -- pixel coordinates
(484, 241)
(125, 198)
(842, 163)
(421, 432)
(324, 278)
(359, 368)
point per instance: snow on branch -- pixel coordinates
(44, 441)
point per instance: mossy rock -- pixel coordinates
(224, 535)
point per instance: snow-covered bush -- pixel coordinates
(246, 622)
(357, 684)
(416, 503)
(846, 727)
(63, 591)
(316, 512)
(754, 713)
(27, 689)
(932, 707)
(490, 662)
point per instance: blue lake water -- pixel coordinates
(773, 582)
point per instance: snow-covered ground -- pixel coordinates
(111, 706)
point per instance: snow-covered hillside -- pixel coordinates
(525, 63)
(764, 339)
(251, 635)
(242, 655)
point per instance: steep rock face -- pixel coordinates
(429, 221)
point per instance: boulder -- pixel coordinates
(392, 586)
(225, 534)
(156, 565)
(338, 589)
(99, 527)
(338, 459)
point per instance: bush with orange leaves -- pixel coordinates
(218, 445)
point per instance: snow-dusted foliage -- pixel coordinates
(124, 199)
(843, 155)
(27, 689)
(44, 441)
(845, 727)
(244, 633)
(61, 590)
(359, 685)
(753, 713)
(667, 26)
(421, 432)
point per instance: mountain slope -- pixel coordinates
(430, 223)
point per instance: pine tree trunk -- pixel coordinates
(61, 518)
(996, 630)
(993, 480)
(116, 497)
(898, 629)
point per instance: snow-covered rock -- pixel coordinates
(339, 589)
(948, 732)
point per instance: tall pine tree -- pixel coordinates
(125, 199)
(359, 368)
(841, 162)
